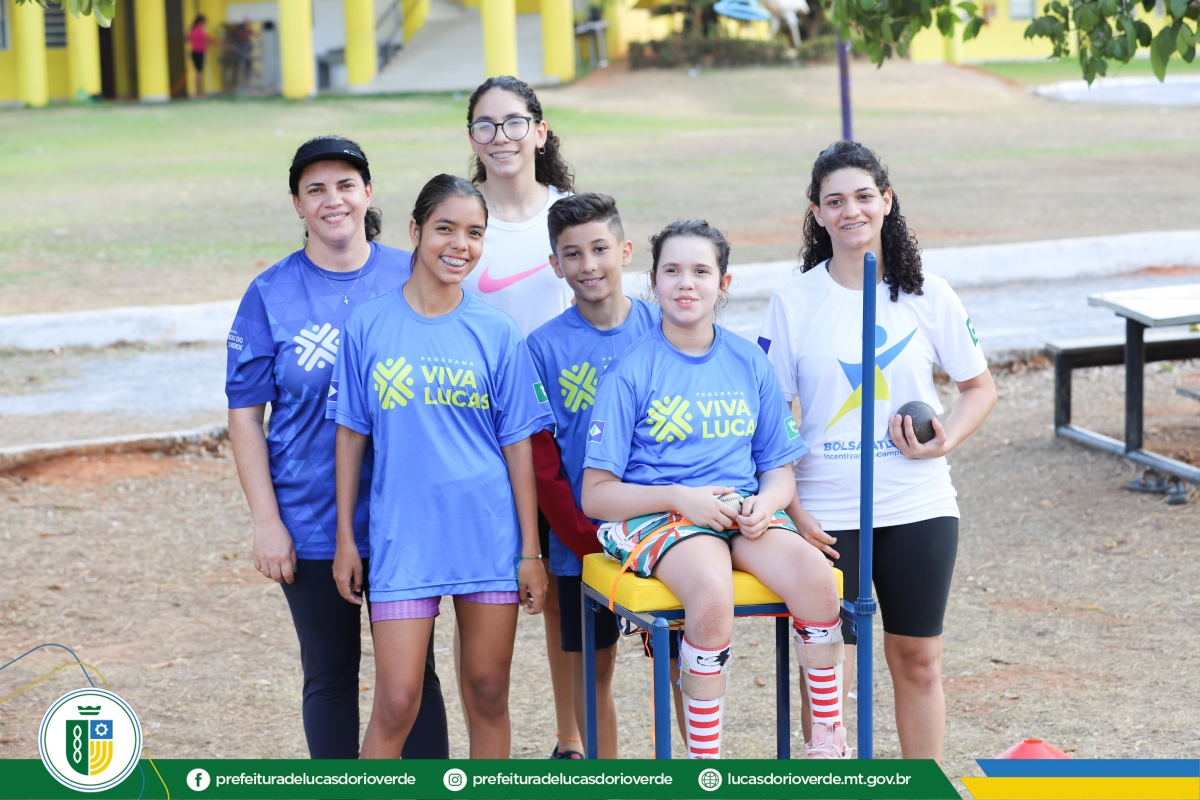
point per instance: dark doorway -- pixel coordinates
(176, 48)
(108, 74)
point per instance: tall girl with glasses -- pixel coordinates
(519, 170)
(282, 350)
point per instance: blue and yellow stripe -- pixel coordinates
(1086, 779)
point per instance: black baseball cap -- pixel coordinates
(328, 148)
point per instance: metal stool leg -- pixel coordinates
(661, 638)
(783, 686)
(589, 677)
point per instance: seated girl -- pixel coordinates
(690, 457)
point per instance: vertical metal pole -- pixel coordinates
(1135, 364)
(783, 685)
(844, 74)
(591, 747)
(660, 636)
(1062, 390)
(864, 606)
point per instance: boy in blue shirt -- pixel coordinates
(571, 352)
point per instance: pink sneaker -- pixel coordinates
(827, 742)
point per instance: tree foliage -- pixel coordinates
(1108, 30)
(883, 28)
(102, 10)
(1100, 30)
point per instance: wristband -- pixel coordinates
(517, 563)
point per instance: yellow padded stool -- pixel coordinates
(651, 594)
(648, 604)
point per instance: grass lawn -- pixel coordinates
(1033, 73)
(123, 204)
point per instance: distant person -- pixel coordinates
(812, 336)
(440, 387)
(521, 173)
(199, 40)
(285, 340)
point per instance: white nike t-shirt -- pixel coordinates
(514, 273)
(813, 338)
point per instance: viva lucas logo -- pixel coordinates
(90, 740)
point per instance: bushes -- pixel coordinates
(720, 51)
(712, 51)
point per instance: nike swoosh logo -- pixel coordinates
(488, 284)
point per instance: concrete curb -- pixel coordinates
(1055, 259)
(201, 322)
(168, 442)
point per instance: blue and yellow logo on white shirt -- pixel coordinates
(854, 374)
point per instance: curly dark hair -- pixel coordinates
(549, 166)
(901, 254)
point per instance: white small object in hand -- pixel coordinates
(733, 500)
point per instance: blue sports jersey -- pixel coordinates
(664, 417)
(439, 396)
(281, 350)
(571, 354)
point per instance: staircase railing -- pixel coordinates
(389, 32)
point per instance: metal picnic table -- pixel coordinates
(1155, 307)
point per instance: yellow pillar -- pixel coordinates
(296, 49)
(558, 39)
(499, 37)
(29, 40)
(415, 12)
(150, 28)
(616, 38)
(952, 45)
(362, 57)
(83, 52)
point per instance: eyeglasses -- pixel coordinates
(515, 128)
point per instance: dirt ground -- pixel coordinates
(185, 203)
(1070, 618)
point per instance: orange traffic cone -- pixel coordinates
(1033, 748)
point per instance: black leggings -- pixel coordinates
(913, 565)
(330, 651)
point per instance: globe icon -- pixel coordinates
(710, 779)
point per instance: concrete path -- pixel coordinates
(1177, 90)
(963, 267)
(447, 54)
(178, 381)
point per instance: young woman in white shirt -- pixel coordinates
(520, 171)
(812, 336)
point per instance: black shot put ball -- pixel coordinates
(922, 419)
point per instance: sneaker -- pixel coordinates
(827, 742)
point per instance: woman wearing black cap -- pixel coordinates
(281, 350)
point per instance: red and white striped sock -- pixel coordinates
(823, 684)
(702, 676)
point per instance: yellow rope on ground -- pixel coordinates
(106, 686)
(51, 672)
(156, 772)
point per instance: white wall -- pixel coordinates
(329, 26)
(254, 12)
